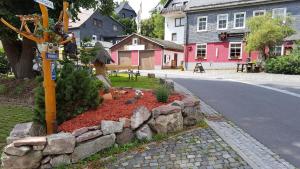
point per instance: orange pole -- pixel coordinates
(65, 16)
(49, 84)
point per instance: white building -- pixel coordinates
(175, 20)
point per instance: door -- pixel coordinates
(175, 59)
(125, 58)
(147, 60)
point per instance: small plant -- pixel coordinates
(162, 94)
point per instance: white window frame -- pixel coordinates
(200, 17)
(135, 40)
(259, 11)
(235, 14)
(285, 12)
(218, 20)
(174, 40)
(181, 22)
(282, 49)
(229, 51)
(115, 27)
(196, 56)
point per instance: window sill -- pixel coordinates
(200, 58)
(202, 30)
(234, 58)
(239, 28)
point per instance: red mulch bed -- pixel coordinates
(113, 110)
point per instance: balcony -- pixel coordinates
(173, 10)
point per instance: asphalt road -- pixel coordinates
(273, 118)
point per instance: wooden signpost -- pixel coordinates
(48, 64)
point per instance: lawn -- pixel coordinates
(10, 116)
(142, 82)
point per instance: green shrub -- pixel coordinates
(4, 66)
(162, 94)
(284, 64)
(3, 89)
(76, 91)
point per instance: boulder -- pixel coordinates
(140, 115)
(27, 129)
(94, 128)
(190, 101)
(144, 133)
(80, 131)
(10, 139)
(46, 160)
(126, 122)
(61, 143)
(192, 114)
(178, 103)
(30, 160)
(165, 110)
(88, 136)
(30, 141)
(110, 127)
(60, 160)
(89, 148)
(107, 96)
(16, 151)
(167, 123)
(46, 166)
(38, 148)
(125, 137)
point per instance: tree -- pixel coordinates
(154, 26)
(266, 32)
(19, 50)
(129, 24)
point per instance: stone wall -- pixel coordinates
(26, 150)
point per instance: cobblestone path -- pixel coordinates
(198, 148)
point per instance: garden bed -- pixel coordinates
(115, 109)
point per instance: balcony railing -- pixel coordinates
(173, 9)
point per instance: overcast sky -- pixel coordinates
(147, 6)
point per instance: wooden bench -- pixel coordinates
(132, 71)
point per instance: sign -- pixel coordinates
(47, 3)
(53, 72)
(52, 56)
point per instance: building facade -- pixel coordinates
(216, 29)
(175, 20)
(124, 10)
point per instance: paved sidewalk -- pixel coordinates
(198, 148)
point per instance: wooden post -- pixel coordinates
(49, 84)
(65, 16)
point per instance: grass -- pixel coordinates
(3, 89)
(142, 82)
(10, 116)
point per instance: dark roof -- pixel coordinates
(163, 43)
(215, 4)
(124, 5)
(167, 3)
(102, 55)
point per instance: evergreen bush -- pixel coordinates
(162, 94)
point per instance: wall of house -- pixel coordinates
(170, 56)
(128, 13)
(135, 57)
(158, 59)
(170, 28)
(88, 29)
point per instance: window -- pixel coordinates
(115, 27)
(165, 59)
(239, 20)
(97, 22)
(202, 23)
(123, 14)
(259, 12)
(179, 22)
(201, 51)
(175, 4)
(279, 13)
(222, 21)
(278, 50)
(174, 36)
(135, 41)
(235, 50)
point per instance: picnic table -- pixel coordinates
(250, 67)
(132, 71)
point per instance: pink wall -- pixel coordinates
(135, 57)
(158, 57)
(114, 56)
(223, 53)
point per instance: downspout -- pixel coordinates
(186, 43)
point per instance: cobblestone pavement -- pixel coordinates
(198, 148)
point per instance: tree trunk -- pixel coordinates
(20, 56)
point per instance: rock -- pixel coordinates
(165, 110)
(167, 123)
(192, 115)
(130, 101)
(30, 141)
(38, 148)
(30, 160)
(61, 143)
(105, 80)
(60, 160)
(16, 151)
(46, 160)
(88, 136)
(80, 131)
(190, 101)
(189, 121)
(107, 96)
(10, 140)
(46, 166)
(27, 129)
(89, 148)
(144, 133)
(94, 128)
(110, 127)
(140, 115)
(125, 137)
(178, 103)
(126, 122)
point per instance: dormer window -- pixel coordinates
(135, 41)
(123, 14)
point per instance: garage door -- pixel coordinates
(147, 60)
(124, 58)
